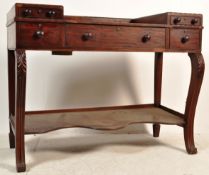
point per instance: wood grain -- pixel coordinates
(114, 38)
(176, 36)
(52, 38)
(20, 86)
(169, 18)
(11, 89)
(197, 73)
(105, 120)
(158, 69)
(44, 27)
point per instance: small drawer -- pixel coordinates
(41, 12)
(99, 37)
(186, 20)
(40, 36)
(185, 39)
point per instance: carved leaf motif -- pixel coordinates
(21, 62)
(201, 64)
(198, 62)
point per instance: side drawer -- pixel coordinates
(185, 39)
(186, 20)
(55, 12)
(117, 38)
(40, 36)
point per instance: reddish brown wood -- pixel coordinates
(157, 87)
(153, 19)
(35, 11)
(20, 66)
(106, 30)
(114, 38)
(11, 89)
(185, 19)
(156, 130)
(158, 78)
(57, 37)
(198, 67)
(40, 36)
(44, 27)
(62, 52)
(99, 20)
(177, 36)
(11, 85)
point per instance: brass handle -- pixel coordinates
(194, 21)
(177, 20)
(27, 12)
(146, 38)
(185, 39)
(51, 13)
(87, 36)
(39, 34)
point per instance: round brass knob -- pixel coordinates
(146, 38)
(185, 39)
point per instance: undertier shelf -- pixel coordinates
(103, 119)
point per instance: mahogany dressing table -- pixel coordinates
(44, 27)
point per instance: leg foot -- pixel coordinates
(192, 150)
(156, 130)
(189, 140)
(21, 167)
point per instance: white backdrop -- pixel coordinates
(103, 79)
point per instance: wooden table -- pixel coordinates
(44, 27)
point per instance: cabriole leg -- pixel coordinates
(197, 72)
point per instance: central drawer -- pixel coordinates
(121, 38)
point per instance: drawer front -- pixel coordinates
(98, 37)
(39, 11)
(186, 20)
(40, 36)
(186, 39)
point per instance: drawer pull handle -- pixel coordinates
(27, 12)
(185, 39)
(39, 34)
(146, 38)
(177, 20)
(51, 13)
(87, 36)
(194, 21)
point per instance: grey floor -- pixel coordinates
(78, 153)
